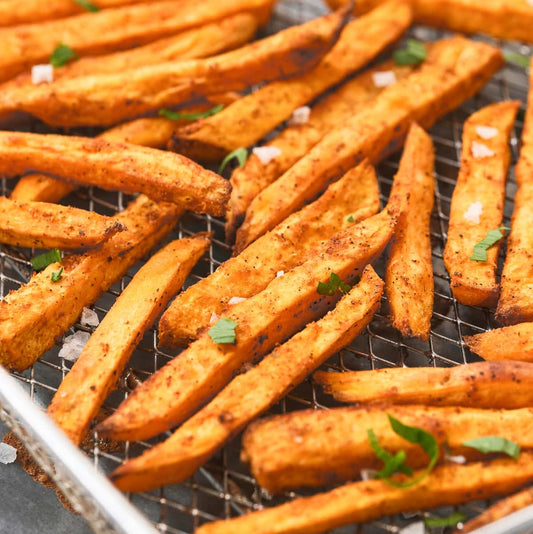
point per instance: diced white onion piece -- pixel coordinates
(236, 300)
(368, 474)
(42, 74)
(414, 528)
(89, 317)
(298, 439)
(456, 459)
(473, 212)
(280, 273)
(8, 454)
(73, 346)
(300, 116)
(214, 318)
(479, 150)
(266, 153)
(384, 78)
(486, 132)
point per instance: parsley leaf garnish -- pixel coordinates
(492, 237)
(223, 331)
(449, 521)
(517, 59)
(89, 6)
(351, 219)
(488, 444)
(179, 116)
(56, 275)
(335, 284)
(415, 52)
(62, 55)
(240, 153)
(42, 261)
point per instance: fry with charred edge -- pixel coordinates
(116, 166)
(43, 225)
(508, 343)
(255, 115)
(295, 141)
(478, 385)
(98, 367)
(409, 278)
(477, 203)
(499, 510)
(114, 29)
(516, 301)
(455, 69)
(313, 448)
(250, 394)
(355, 196)
(506, 20)
(36, 315)
(105, 99)
(359, 502)
(285, 306)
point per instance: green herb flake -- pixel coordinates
(223, 331)
(393, 463)
(351, 219)
(62, 55)
(42, 261)
(56, 275)
(414, 52)
(240, 153)
(179, 116)
(493, 236)
(449, 521)
(335, 284)
(89, 6)
(517, 59)
(488, 444)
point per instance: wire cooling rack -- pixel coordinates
(224, 488)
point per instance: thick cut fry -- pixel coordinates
(409, 278)
(477, 203)
(506, 19)
(508, 343)
(251, 118)
(43, 225)
(287, 304)
(321, 447)
(516, 297)
(250, 394)
(113, 29)
(478, 385)
(295, 141)
(105, 99)
(356, 195)
(116, 166)
(454, 70)
(364, 501)
(35, 316)
(98, 367)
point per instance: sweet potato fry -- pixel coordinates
(516, 297)
(355, 195)
(43, 225)
(409, 278)
(113, 29)
(39, 313)
(251, 118)
(454, 70)
(478, 385)
(508, 343)
(95, 372)
(115, 166)
(105, 99)
(477, 203)
(250, 394)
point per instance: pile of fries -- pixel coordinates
(277, 139)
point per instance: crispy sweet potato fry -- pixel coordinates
(409, 278)
(295, 141)
(105, 99)
(516, 298)
(95, 372)
(35, 316)
(250, 394)
(477, 204)
(355, 195)
(115, 166)
(251, 118)
(454, 70)
(113, 29)
(479, 385)
(508, 343)
(43, 225)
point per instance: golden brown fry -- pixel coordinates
(355, 195)
(104, 99)
(455, 69)
(477, 203)
(314, 448)
(35, 316)
(115, 166)
(43, 225)
(359, 502)
(113, 29)
(508, 343)
(95, 372)
(516, 297)
(252, 117)
(250, 394)
(478, 385)
(295, 141)
(409, 278)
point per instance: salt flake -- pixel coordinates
(280, 273)
(8, 454)
(473, 212)
(89, 318)
(236, 300)
(42, 74)
(266, 153)
(479, 150)
(456, 459)
(486, 132)
(384, 78)
(300, 116)
(73, 346)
